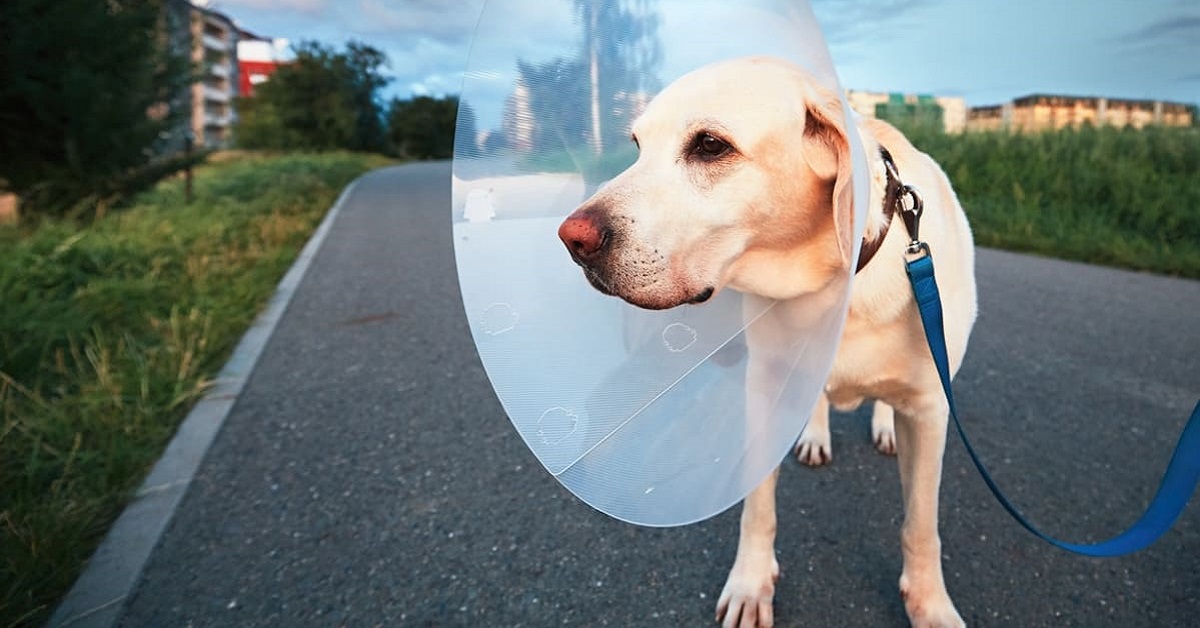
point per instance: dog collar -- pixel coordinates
(891, 197)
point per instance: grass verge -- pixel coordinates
(109, 333)
(1118, 197)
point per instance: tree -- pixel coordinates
(88, 91)
(423, 127)
(323, 100)
(559, 103)
(466, 131)
(363, 64)
(621, 52)
(585, 101)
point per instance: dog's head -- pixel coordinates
(743, 180)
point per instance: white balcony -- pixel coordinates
(217, 120)
(220, 70)
(213, 94)
(214, 22)
(215, 43)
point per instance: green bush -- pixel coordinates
(1120, 197)
(323, 100)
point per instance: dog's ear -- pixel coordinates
(827, 151)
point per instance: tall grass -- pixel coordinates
(1120, 197)
(108, 333)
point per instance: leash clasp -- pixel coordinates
(912, 219)
(916, 250)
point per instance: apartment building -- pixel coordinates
(258, 58)
(950, 112)
(211, 39)
(1043, 112)
(518, 120)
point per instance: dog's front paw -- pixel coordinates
(814, 448)
(885, 440)
(748, 597)
(929, 609)
(883, 428)
(934, 614)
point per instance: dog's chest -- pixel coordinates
(872, 361)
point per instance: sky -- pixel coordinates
(986, 51)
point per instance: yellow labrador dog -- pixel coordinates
(743, 182)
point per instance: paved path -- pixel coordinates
(367, 475)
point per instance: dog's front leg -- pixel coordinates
(749, 592)
(748, 595)
(921, 442)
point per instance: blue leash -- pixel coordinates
(1183, 472)
(1178, 483)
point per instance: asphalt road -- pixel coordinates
(368, 476)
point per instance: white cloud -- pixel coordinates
(451, 22)
(306, 6)
(437, 84)
(852, 20)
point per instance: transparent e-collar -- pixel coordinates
(641, 414)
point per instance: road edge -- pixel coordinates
(98, 597)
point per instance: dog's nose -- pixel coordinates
(583, 237)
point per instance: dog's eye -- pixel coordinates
(709, 147)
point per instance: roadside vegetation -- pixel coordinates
(1119, 197)
(110, 331)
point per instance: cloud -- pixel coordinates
(1180, 29)
(437, 83)
(447, 21)
(1157, 54)
(427, 42)
(1173, 30)
(847, 21)
(305, 6)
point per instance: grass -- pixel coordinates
(1118, 197)
(109, 333)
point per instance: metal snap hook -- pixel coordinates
(911, 215)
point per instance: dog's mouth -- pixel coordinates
(597, 280)
(648, 300)
(703, 296)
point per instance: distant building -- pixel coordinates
(527, 121)
(1042, 112)
(948, 112)
(518, 121)
(210, 39)
(258, 58)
